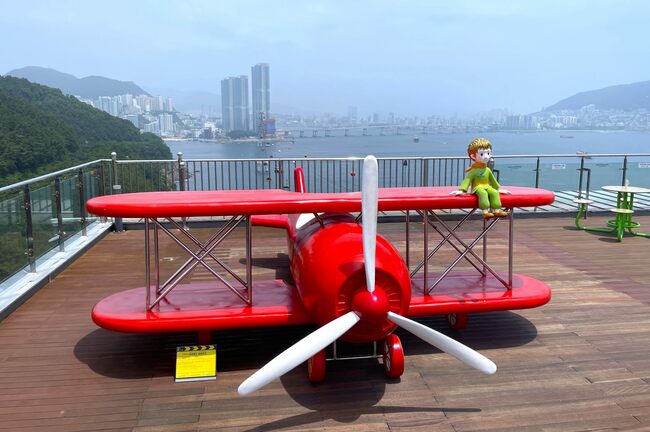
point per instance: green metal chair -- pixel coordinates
(582, 209)
(622, 222)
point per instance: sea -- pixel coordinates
(405, 145)
(555, 172)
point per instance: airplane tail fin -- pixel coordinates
(299, 180)
(282, 221)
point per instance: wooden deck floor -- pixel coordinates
(582, 362)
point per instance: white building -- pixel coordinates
(166, 123)
(261, 92)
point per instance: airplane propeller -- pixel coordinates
(437, 339)
(299, 353)
(327, 334)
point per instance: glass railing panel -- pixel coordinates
(157, 176)
(13, 247)
(70, 206)
(603, 171)
(558, 174)
(515, 171)
(92, 184)
(638, 171)
(44, 221)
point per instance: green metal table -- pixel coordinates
(624, 210)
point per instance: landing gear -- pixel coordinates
(316, 367)
(393, 356)
(457, 321)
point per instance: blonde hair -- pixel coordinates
(477, 144)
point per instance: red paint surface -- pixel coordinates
(328, 268)
(327, 265)
(258, 202)
(204, 306)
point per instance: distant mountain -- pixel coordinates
(626, 97)
(90, 87)
(42, 130)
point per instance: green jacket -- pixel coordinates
(479, 177)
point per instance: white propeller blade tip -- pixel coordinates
(242, 390)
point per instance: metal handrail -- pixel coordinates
(327, 174)
(49, 176)
(358, 158)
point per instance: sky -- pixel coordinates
(408, 57)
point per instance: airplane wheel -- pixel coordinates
(457, 321)
(316, 367)
(393, 356)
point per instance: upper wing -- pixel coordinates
(258, 202)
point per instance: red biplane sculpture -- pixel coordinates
(348, 280)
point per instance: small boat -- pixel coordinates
(416, 138)
(566, 136)
(583, 153)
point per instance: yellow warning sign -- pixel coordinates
(196, 363)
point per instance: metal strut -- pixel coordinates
(464, 249)
(197, 257)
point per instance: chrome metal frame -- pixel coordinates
(336, 357)
(196, 257)
(464, 249)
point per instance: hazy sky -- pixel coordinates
(410, 57)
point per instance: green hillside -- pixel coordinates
(89, 87)
(42, 130)
(626, 97)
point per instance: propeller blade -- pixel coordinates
(446, 344)
(369, 216)
(298, 353)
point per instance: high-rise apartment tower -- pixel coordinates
(261, 89)
(234, 103)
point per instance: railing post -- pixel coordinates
(624, 178)
(181, 174)
(581, 169)
(29, 229)
(59, 214)
(102, 185)
(537, 171)
(496, 172)
(425, 172)
(117, 189)
(82, 207)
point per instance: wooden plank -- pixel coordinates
(578, 363)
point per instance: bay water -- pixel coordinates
(556, 173)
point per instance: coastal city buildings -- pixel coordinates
(240, 118)
(153, 114)
(234, 103)
(261, 94)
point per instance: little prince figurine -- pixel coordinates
(480, 178)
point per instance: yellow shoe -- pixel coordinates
(501, 213)
(488, 215)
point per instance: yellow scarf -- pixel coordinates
(476, 165)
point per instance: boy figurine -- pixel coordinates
(481, 180)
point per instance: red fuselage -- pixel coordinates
(327, 265)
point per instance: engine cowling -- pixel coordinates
(328, 268)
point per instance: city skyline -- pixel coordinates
(234, 103)
(419, 58)
(261, 93)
